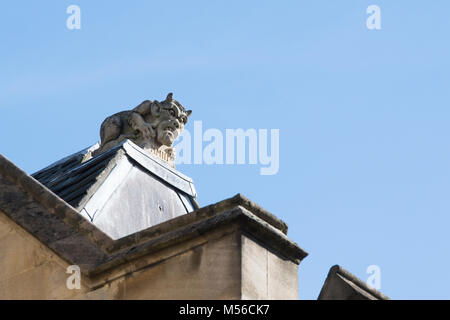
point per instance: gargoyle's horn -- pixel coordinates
(169, 97)
(188, 112)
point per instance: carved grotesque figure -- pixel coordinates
(152, 125)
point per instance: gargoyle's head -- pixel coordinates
(172, 118)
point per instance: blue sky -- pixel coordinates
(364, 174)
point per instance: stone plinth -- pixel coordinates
(121, 191)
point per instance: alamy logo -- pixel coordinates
(374, 20)
(74, 20)
(239, 146)
(74, 280)
(374, 280)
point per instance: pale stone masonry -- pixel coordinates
(230, 250)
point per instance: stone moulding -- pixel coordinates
(62, 229)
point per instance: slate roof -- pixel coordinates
(71, 180)
(123, 190)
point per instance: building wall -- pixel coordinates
(219, 264)
(207, 271)
(28, 269)
(265, 275)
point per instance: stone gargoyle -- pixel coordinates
(152, 125)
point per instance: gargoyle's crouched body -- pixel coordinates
(115, 129)
(151, 125)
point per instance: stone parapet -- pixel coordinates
(233, 249)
